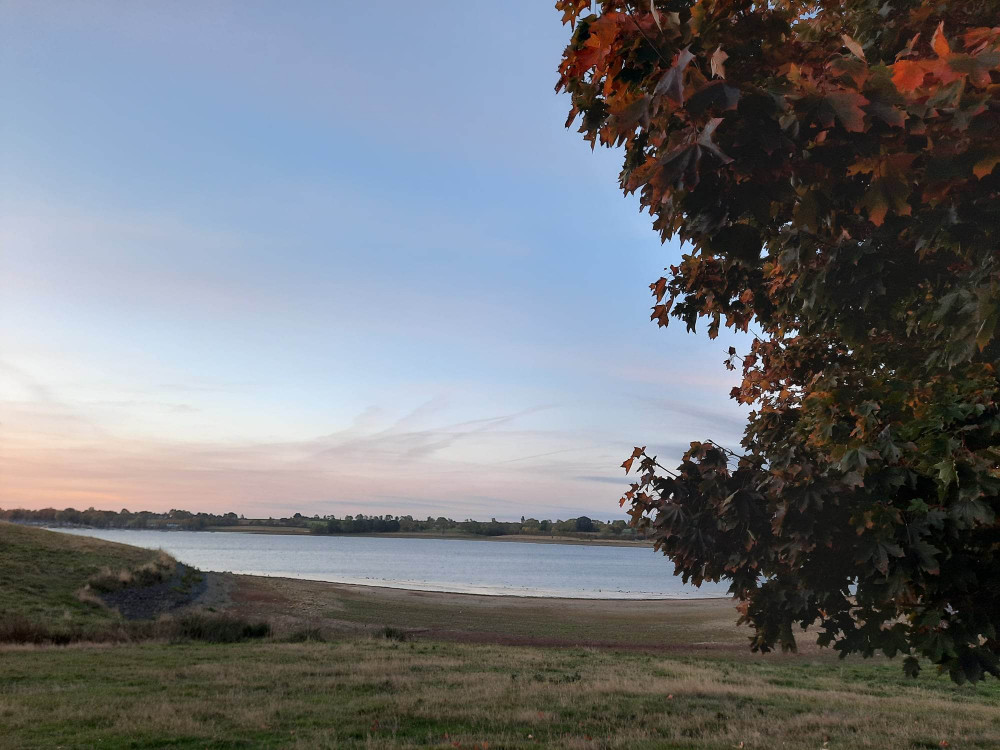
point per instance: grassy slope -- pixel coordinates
(41, 571)
(371, 693)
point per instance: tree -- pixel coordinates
(830, 169)
(583, 523)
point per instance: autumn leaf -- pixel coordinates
(671, 84)
(717, 62)
(908, 75)
(716, 95)
(705, 140)
(986, 164)
(939, 43)
(886, 113)
(846, 106)
(889, 188)
(659, 288)
(853, 46)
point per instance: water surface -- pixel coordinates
(454, 565)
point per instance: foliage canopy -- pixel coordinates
(831, 167)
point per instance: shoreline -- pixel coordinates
(385, 589)
(299, 531)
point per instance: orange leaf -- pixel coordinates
(939, 43)
(985, 165)
(908, 74)
(659, 288)
(627, 465)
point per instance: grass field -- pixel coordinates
(377, 693)
(457, 671)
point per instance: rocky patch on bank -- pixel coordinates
(183, 587)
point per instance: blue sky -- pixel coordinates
(323, 258)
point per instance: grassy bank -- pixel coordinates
(42, 574)
(375, 693)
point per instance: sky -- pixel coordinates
(324, 258)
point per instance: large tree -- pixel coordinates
(830, 168)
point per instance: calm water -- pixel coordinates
(497, 568)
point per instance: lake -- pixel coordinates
(454, 565)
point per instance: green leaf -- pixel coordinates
(946, 472)
(927, 554)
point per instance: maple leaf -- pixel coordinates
(888, 190)
(886, 113)
(853, 46)
(986, 164)
(939, 43)
(846, 106)
(705, 140)
(851, 69)
(717, 95)
(908, 75)
(717, 62)
(671, 84)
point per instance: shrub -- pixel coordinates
(394, 634)
(87, 595)
(306, 634)
(151, 573)
(200, 627)
(107, 580)
(219, 628)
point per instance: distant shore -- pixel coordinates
(529, 538)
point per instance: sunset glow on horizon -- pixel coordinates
(251, 263)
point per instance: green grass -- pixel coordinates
(42, 571)
(378, 693)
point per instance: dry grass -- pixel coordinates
(371, 692)
(149, 573)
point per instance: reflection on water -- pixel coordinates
(457, 565)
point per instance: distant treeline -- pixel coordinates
(360, 524)
(120, 519)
